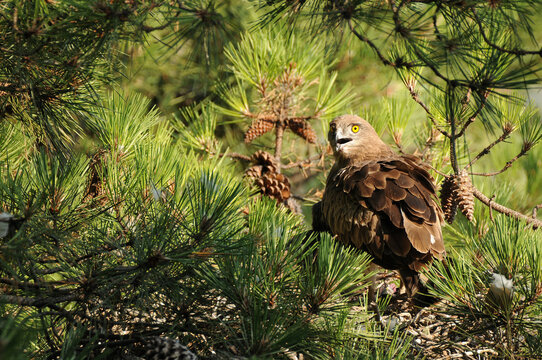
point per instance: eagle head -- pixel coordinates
(353, 138)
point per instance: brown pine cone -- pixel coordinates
(465, 196)
(258, 128)
(302, 128)
(448, 198)
(274, 185)
(254, 171)
(264, 159)
(95, 186)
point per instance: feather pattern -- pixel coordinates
(408, 217)
(381, 202)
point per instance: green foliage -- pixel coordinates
(508, 303)
(13, 339)
(274, 69)
(334, 273)
(200, 133)
(158, 239)
(114, 123)
(126, 218)
(57, 53)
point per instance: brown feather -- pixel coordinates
(378, 201)
(415, 203)
(405, 181)
(394, 192)
(422, 180)
(418, 234)
(381, 202)
(394, 213)
(397, 240)
(393, 173)
(378, 179)
(364, 190)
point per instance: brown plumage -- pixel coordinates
(380, 202)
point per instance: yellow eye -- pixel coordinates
(355, 129)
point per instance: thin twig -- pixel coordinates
(416, 98)
(437, 171)
(471, 119)
(233, 155)
(488, 148)
(506, 211)
(517, 52)
(305, 162)
(535, 209)
(237, 156)
(491, 209)
(396, 140)
(523, 151)
(453, 157)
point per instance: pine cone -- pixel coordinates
(167, 349)
(254, 171)
(302, 128)
(448, 198)
(95, 186)
(258, 128)
(266, 160)
(465, 196)
(274, 185)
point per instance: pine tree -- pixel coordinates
(131, 224)
(467, 65)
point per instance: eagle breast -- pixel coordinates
(378, 201)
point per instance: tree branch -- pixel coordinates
(473, 117)
(301, 163)
(509, 163)
(278, 145)
(416, 98)
(37, 302)
(453, 156)
(38, 286)
(506, 211)
(488, 148)
(237, 156)
(517, 52)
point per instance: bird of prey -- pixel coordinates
(381, 202)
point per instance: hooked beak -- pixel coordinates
(340, 140)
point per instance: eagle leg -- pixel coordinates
(411, 281)
(415, 288)
(371, 293)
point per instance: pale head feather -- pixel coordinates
(351, 147)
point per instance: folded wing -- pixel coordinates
(400, 192)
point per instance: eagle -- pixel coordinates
(380, 202)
